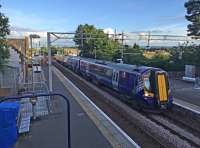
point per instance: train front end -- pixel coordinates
(156, 92)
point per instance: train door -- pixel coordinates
(115, 79)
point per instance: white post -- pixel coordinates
(49, 62)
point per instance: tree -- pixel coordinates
(134, 55)
(4, 31)
(82, 32)
(54, 50)
(91, 41)
(44, 50)
(191, 55)
(193, 15)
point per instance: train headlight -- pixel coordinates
(148, 94)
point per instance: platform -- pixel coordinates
(185, 95)
(185, 91)
(113, 133)
(50, 131)
(187, 106)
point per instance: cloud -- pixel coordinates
(19, 32)
(109, 31)
(22, 32)
(174, 29)
(18, 18)
(173, 18)
(136, 37)
(31, 20)
(141, 37)
(22, 29)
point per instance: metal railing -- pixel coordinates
(35, 87)
(9, 78)
(27, 96)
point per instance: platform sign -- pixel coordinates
(190, 71)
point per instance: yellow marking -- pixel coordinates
(162, 88)
(159, 88)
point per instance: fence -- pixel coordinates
(9, 79)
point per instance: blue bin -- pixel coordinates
(8, 136)
(8, 128)
(8, 113)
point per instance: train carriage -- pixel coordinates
(101, 73)
(147, 85)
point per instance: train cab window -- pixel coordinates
(147, 84)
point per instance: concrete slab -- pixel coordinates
(50, 131)
(185, 95)
(186, 92)
(188, 106)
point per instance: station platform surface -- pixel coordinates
(186, 95)
(51, 131)
(185, 91)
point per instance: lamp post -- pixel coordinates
(32, 36)
(95, 52)
(49, 61)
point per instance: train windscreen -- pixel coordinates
(148, 91)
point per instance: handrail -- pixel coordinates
(6, 98)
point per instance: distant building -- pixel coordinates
(71, 51)
(21, 45)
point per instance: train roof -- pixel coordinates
(130, 68)
(119, 66)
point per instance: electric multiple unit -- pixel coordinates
(148, 86)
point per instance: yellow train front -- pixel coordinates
(154, 89)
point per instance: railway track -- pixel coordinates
(147, 129)
(173, 120)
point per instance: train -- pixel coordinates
(147, 86)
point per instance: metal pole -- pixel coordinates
(95, 52)
(31, 41)
(115, 37)
(49, 62)
(81, 42)
(149, 35)
(122, 50)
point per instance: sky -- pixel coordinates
(123, 15)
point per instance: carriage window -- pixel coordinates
(114, 76)
(124, 74)
(117, 76)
